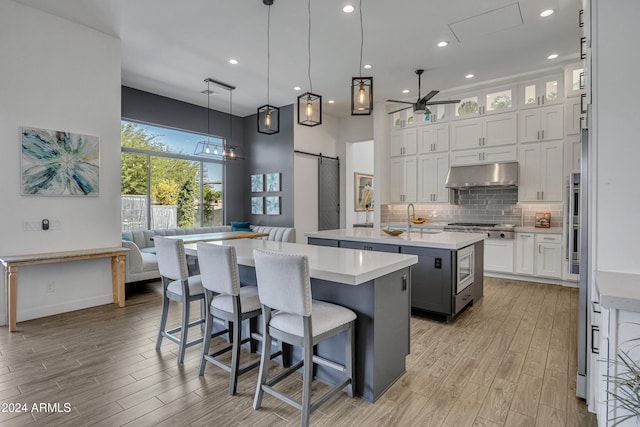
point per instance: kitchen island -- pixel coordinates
(449, 274)
(374, 285)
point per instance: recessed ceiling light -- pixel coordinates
(296, 88)
(443, 43)
(469, 76)
(367, 66)
(233, 61)
(331, 101)
(348, 8)
(405, 91)
(546, 13)
(552, 56)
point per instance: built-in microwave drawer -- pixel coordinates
(462, 299)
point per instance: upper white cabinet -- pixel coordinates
(432, 174)
(500, 129)
(496, 100)
(403, 178)
(403, 119)
(506, 153)
(439, 114)
(403, 142)
(541, 124)
(574, 80)
(433, 138)
(541, 176)
(542, 91)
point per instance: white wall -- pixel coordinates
(58, 75)
(317, 139)
(616, 141)
(359, 159)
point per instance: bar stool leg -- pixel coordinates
(350, 348)
(186, 308)
(307, 378)
(235, 353)
(206, 343)
(163, 319)
(264, 358)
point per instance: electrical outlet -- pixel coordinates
(31, 225)
(56, 224)
(51, 287)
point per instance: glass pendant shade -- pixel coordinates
(361, 96)
(309, 109)
(268, 119)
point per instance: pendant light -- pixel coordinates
(309, 103)
(218, 149)
(268, 115)
(361, 87)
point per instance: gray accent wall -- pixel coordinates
(270, 154)
(158, 110)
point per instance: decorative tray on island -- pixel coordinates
(392, 232)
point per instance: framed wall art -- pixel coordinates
(273, 182)
(257, 183)
(273, 205)
(57, 163)
(257, 205)
(363, 191)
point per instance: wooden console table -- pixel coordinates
(11, 264)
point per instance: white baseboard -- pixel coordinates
(522, 278)
(49, 310)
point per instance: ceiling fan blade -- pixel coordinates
(428, 96)
(401, 109)
(400, 102)
(451, 101)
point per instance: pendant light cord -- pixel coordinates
(268, 49)
(361, 39)
(208, 110)
(309, 48)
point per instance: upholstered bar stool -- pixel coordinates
(226, 300)
(178, 286)
(284, 285)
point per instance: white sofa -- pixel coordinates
(141, 262)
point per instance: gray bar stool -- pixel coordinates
(178, 286)
(226, 300)
(284, 285)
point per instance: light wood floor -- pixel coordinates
(508, 361)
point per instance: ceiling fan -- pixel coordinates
(421, 105)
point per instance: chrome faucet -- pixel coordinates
(410, 216)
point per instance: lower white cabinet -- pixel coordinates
(539, 254)
(498, 255)
(548, 255)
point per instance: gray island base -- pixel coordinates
(448, 277)
(375, 286)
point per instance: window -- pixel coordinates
(163, 184)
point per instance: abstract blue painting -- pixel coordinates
(56, 163)
(257, 205)
(273, 205)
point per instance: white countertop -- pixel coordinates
(348, 266)
(619, 290)
(440, 240)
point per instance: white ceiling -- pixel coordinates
(169, 47)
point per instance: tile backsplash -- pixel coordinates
(483, 205)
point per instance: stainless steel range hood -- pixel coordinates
(489, 175)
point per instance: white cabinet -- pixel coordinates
(525, 253)
(491, 101)
(541, 124)
(433, 138)
(500, 129)
(572, 155)
(403, 142)
(542, 91)
(539, 254)
(402, 119)
(432, 174)
(541, 177)
(403, 178)
(507, 153)
(498, 255)
(574, 82)
(575, 118)
(548, 255)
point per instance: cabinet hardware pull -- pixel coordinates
(583, 107)
(542, 99)
(582, 80)
(466, 297)
(595, 306)
(542, 195)
(581, 120)
(594, 349)
(404, 282)
(583, 45)
(581, 18)
(542, 134)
